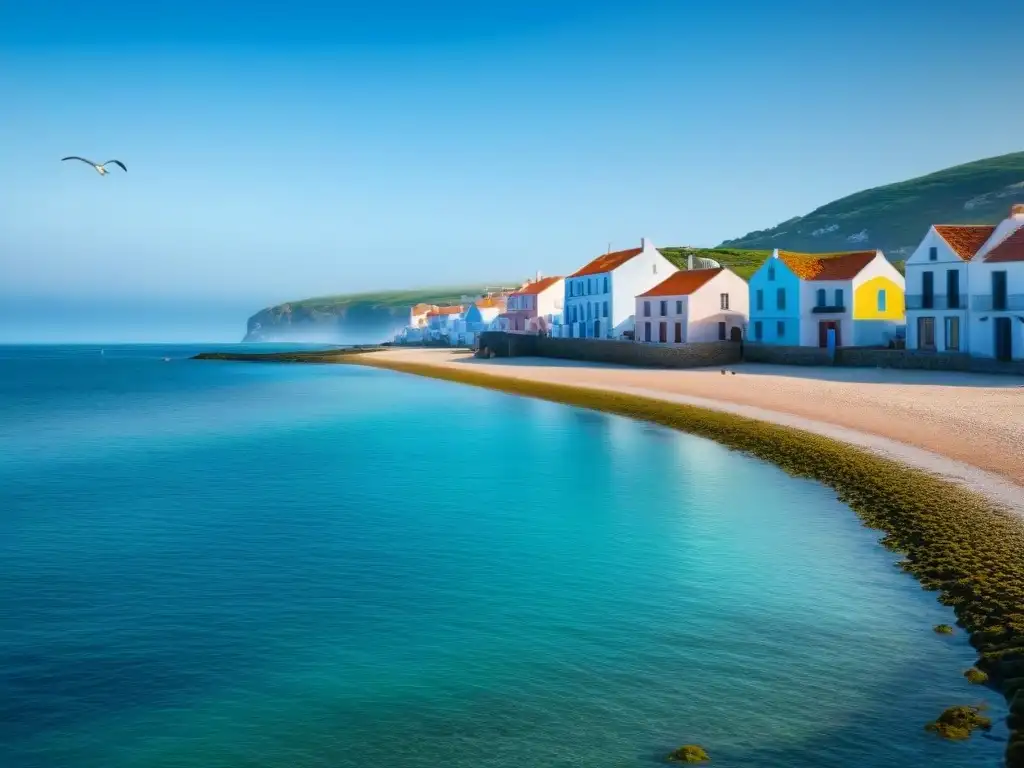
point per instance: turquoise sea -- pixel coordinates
(227, 565)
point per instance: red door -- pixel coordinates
(823, 329)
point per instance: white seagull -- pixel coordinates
(101, 168)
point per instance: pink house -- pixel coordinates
(535, 306)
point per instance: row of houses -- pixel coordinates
(963, 292)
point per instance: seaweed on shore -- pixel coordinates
(952, 540)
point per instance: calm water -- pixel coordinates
(224, 565)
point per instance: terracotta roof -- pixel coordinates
(682, 283)
(965, 239)
(491, 302)
(445, 311)
(419, 309)
(827, 266)
(1011, 249)
(540, 286)
(607, 262)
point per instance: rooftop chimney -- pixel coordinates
(643, 243)
(1017, 211)
(689, 261)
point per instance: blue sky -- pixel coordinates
(277, 153)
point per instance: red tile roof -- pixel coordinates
(607, 262)
(965, 239)
(445, 311)
(537, 287)
(827, 266)
(682, 283)
(1011, 249)
(491, 302)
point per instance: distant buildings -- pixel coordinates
(536, 307)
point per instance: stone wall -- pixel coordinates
(916, 359)
(720, 353)
(775, 354)
(605, 351)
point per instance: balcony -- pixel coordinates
(983, 303)
(915, 301)
(829, 309)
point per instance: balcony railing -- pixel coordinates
(829, 309)
(1014, 303)
(939, 301)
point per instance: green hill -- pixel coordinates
(895, 217)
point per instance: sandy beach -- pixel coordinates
(968, 428)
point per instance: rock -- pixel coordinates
(689, 753)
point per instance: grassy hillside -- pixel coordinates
(390, 299)
(895, 217)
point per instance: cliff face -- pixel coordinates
(363, 318)
(343, 324)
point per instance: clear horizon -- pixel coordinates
(274, 155)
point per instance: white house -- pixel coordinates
(536, 307)
(965, 289)
(938, 287)
(600, 298)
(693, 306)
(996, 317)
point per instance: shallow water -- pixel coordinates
(229, 565)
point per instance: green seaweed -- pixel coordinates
(689, 753)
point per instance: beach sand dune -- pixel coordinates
(966, 427)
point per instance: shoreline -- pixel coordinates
(954, 540)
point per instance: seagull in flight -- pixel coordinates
(101, 168)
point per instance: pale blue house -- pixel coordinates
(774, 304)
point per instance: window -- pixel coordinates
(721, 331)
(606, 309)
(647, 310)
(953, 289)
(926, 333)
(952, 334)
(606, 283)
(663, 306)
(771, 271)
(780, 298)
(654, 268)
(933, 254)
(927, 290)
(723, 300)
(757, 330)
(780, 328)
(679, 333)
(589, 312)
(839, 297)
(662, 332)
(881, 300)
(647, 331)
(759, 299)
(999, 291)
(679, 307)
(821, 297)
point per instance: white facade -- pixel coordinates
(937, 321)
(996, 316)
(976, 297)
(710, 312)
(601, 304)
